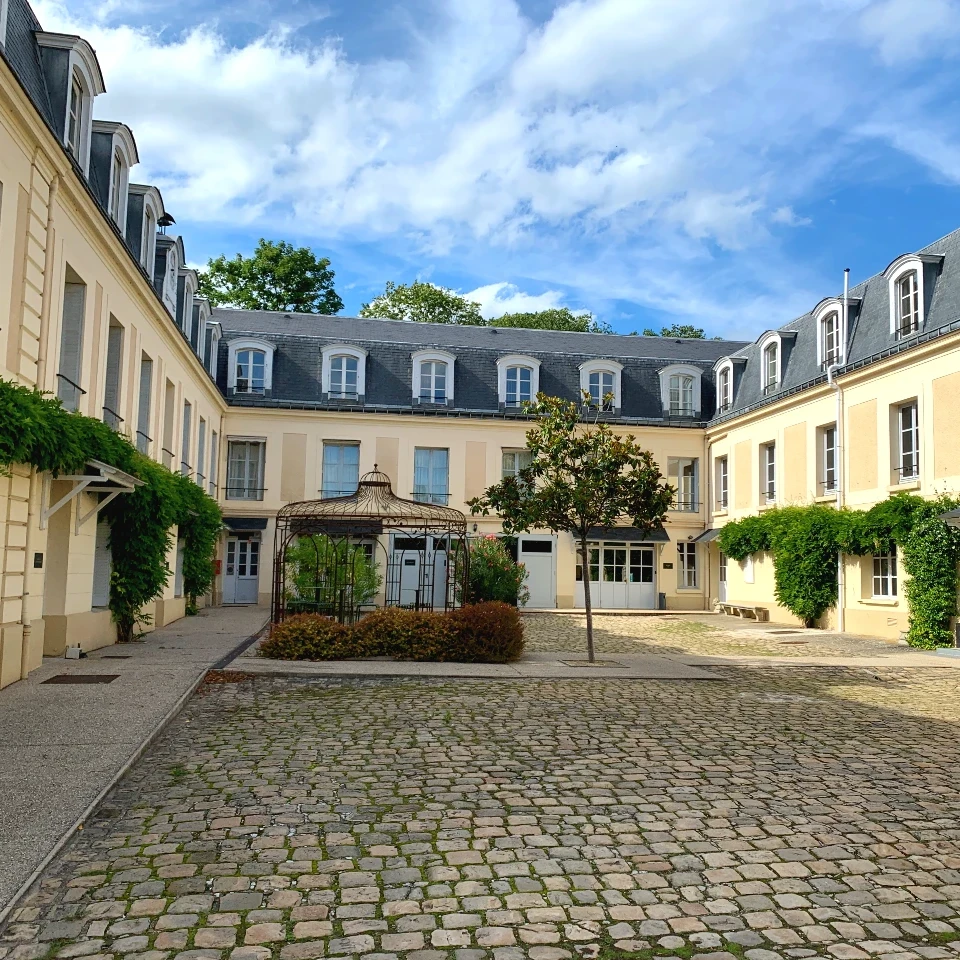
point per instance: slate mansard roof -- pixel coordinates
(869, 334)
(300, 338)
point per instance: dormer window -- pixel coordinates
(75, 117)
(600, 381)
(830, 339)
(771, 367)
(724, 389)
(908, 304)
(433, 376)
(680, 390)
(343, 374)
(250, 366)
(116, 186)
(250, 371)
(518, 380)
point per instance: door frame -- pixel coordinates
(552, 539)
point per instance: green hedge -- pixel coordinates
(805, 542)
(36, 430)
(477, 633)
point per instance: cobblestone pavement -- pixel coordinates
(781, 811)
(707, 635)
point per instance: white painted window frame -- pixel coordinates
(344, 350)
(912, 431)
(722, 483)
(603, 366)
(724, 369)
(896, 272)
(687, 572)
(517, 360)
(680, 370)
(768, 472)
(767, 385)
(421, 357)
(822, 314)
(250, 343)
(885, 579)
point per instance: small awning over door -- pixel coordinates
(707, 536)
(243, 524)
(629, 534)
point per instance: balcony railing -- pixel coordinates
(431, 496)
(143, 442)
(69, 392)
(112, 419)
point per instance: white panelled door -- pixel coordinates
(241, 571)
(538, 554)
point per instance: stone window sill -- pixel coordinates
(880, 602)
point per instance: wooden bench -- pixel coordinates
(760, 614)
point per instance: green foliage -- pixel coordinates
(477, 633)
(494, 574)
(36, 430)
(316, 567)
(681, 330)
(554, 318)
(805, 542)
(424, 303)
(278, 276)
(580, 476)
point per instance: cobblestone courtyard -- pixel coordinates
(779, 811)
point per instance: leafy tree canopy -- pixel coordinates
(278, 276)
(580, 476)
(424, 303)
(682, 330)
(554, 318)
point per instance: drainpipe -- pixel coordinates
(831, 379)
(48, 259)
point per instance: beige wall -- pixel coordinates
(48, 222)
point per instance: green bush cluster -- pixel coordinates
(36, 430)
(805, 542)
(478, 633)
(494, 574)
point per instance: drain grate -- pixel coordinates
(83, 678)
(115, 656)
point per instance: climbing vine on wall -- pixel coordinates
(805, 541)
(36, 430)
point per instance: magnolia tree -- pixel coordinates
(581, 475)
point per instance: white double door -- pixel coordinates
(622, 576)
(420, 572)
(241, 570)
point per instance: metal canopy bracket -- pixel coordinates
(99, 478)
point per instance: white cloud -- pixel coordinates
(496, 299)
(620, 143)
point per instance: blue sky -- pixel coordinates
(692, 161)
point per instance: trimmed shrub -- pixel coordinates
(487, 633)
(494, 574)
(309, 636)
(479, 633)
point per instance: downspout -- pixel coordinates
(48, 260)
(831, 379)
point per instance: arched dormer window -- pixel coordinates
(680, 390)
(905, 278)
(518, 380)
(70, 60)
(724, 386)
(250, 366)
(433, 376)
(770, 355)
(600, 379)
(830, 335)
(187, 284)
(343, 372)
(113, 153)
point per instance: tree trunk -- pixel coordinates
(585, 560)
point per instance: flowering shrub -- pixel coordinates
(495, 575)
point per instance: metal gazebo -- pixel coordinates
(345, 556)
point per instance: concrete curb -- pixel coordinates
(138, 752)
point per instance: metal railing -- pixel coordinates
(430, 496)
(111, 418)
(235, 492)
(70, 398)
(143, 442)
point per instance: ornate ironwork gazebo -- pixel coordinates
(345, 556)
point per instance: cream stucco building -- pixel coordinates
(856, 399)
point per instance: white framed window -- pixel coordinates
(185, 466)
(830, 339)
(201, 453)
(431, 475)
(75, 116)
(145, 407)
(905, 279)
(723, 483)
(600, 380)
(343, 371)
(828, 459)
(514, 461)
(123, 156)
(770, 365)
(683, 477)
(768, 473)
(686, 565)
(245, 460)
(116, 185)
(341, 469)
(185, 301)
(885, 575)
(250, 366)
(908, 430)
(724, 388)
(152, 212)
(518, 380)
(433, 375)
(680, 390)
(214, 462)
(72, 325)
